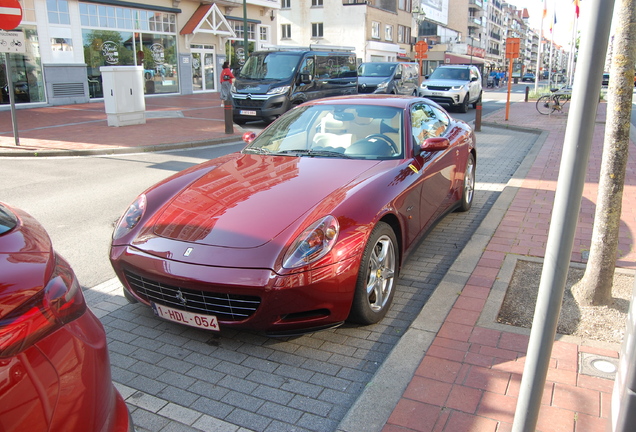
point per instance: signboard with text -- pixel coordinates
(12, 42)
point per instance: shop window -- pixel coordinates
(58, 12)
(26, 72)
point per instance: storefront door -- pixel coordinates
(203, 76)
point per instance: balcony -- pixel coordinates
(477, 3)
(493, 51)
(495, 36)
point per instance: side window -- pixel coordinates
(327, 66)
(426, 122)
(308, 66)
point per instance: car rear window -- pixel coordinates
(8, 221)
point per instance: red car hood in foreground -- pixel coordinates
(249, 199)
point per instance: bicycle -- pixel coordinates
(547, 104)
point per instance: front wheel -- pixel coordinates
(546, 105)
(463, 108)
(376, 278)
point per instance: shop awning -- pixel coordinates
(462, 59)
(208, 19)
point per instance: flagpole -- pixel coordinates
(538, 68)
(573, 48)
(551, 44)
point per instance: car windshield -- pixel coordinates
(375, 69)
(450, 74)
(341, 131)
(270, 65)
(8, 221)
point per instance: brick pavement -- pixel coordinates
(469, 377)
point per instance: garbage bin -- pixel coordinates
(124, 95)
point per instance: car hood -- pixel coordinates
(372, 80)
(244, 86)
(247, 200)
(444, 82)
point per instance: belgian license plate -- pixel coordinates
(436, 93)
(207, 322)
(247, 112)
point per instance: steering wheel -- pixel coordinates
(388, 141)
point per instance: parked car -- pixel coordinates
(388, 78)
(306, 227)
(54, 368)
(528, 77)
(456, 86)
(605, 81)
(272, 82)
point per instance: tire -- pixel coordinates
(376, 278)
(468, 189)
(545, 105)
(463, 108)
(477, 101)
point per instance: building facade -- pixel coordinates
(179, 43)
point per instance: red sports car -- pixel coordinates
(307, 226)
(54, 368)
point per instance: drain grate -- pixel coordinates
(598, 365)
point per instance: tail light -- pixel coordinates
(59, 303)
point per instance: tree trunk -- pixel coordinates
(596, 286)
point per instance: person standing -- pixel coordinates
(226, 82)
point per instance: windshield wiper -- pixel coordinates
(312, 153)
(257, 150)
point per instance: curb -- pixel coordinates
(382, 394)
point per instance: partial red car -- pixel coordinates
(54, 366)
(305, 228)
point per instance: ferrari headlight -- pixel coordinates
(279, 90)
(313, 243)
(131, 218)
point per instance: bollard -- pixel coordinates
(478, 117)
(229, 123)
(527, 93)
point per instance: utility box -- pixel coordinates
(124, 95)
(624, 394)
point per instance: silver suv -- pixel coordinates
(453, 85)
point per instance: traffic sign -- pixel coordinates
(10, 14)
(420, 49)
(12, 42)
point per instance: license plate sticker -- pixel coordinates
(247, 112)
(207, 322)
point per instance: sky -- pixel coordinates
(565, 17)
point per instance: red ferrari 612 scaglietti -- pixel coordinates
(306, 227)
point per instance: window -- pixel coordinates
(375, 30)
(388, 33)
(316, 3)
(92, 15)
(238, 29)
(285, 4)
(285, 31)
(404, 34)
(404, 5)
(58, 12)
(263, 34)
(316, 30)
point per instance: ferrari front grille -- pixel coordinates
(226, 307)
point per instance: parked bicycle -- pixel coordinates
(555, 101)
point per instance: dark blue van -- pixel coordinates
(272, 82)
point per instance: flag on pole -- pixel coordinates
(553, 23)
(577, 8)
(545, 8)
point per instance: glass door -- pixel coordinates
(203, 70)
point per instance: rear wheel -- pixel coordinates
(545, 105)
(468, 191)
(376, 278)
